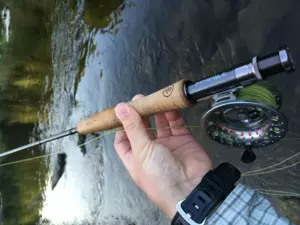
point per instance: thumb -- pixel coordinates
(134, 127)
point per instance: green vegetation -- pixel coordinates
(25, 62)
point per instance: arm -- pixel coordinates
(169, 164)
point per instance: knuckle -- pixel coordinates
(133, 125)
(130, 127)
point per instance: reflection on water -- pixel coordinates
(25, 53)
(79, 195)
(5, 13)
(81, 56)
(104, 15)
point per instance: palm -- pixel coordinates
(176, 144)
(180, 141)
(189, 153)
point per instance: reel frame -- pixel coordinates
(253, 125)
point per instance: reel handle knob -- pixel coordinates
(248, 155)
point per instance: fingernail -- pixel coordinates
(121, 111)
(137, 97)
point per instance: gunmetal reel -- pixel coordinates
(246, 118)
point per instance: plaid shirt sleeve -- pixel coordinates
(245, 206)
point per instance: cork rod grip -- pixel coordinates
(169, 98)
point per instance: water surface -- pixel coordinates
(104, 52)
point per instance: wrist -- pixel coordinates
(179, 193)
(215, 186)
(170, 204)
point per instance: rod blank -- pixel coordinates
(52, 138)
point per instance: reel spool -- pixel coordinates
(246, 118)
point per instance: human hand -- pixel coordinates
(168, 165)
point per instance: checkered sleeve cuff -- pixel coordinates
(245, 206)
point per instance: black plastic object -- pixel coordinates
(248, 155)
(215, 186)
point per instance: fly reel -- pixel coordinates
(246, 118)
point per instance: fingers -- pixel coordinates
(123, 147)
(162, 125)
(146, 121)
(122, 143)
(134, 127)
(175, 122)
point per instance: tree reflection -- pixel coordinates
(25, 62)
(25, 65)
(104, 15)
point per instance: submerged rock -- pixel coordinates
(84, 139)
(81, 141)
(59, 169)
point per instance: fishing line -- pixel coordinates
(25, 160)
(275, 191)
(249, 173)
(97, 138)
(272, 166)
(271, 171)
(280, 195)
(257, 93)
(47, 155)
(101, 136)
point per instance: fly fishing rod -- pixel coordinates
(242, 114)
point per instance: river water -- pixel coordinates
(106, 52)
